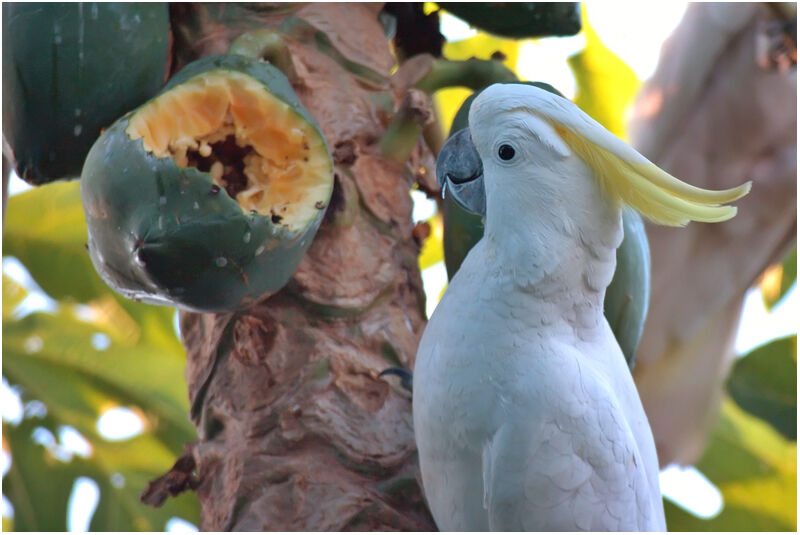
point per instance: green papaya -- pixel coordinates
(207, 196)
(518, 20)
(628, 295)
(71, 69)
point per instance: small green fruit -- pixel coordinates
(520, 19)
(70, 69)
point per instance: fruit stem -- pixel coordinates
(406, 125)
(433, 134)
(472, 73)
(267, 45)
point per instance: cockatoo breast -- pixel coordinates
(533, 371)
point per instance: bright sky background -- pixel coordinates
(631, 29)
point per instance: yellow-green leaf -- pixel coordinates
(606, 86)
(764, 383)
(44, 228)
(778, 280)
(755, 469)
(481, 46)
(96, 351)
(13, 294)
(432, 250)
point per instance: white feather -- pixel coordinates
(525, 413)
(504, 98)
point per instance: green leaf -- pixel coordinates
(755, 470)
(37, 484)
(52, 359)
(764, 383)
(606, 85)
(77, 383)
(44, 228)
(138, 461)
(13, 295)
(519, 19)
(779, 279)
(64, 371)
(734, 519)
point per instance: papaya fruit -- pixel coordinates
(71, 69)
(628, 294)
(207, 196)
(517, 20)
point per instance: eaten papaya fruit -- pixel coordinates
(628, 294)
(207, 196)
(70, 69)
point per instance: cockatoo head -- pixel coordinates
(527, 145)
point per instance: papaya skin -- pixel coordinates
(628, 295)
(71, 69)
(517, 20)
(170, 235)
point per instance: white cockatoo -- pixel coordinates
(525, 413)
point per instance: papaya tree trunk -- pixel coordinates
(296, 431)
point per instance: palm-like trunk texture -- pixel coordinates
(296, 431)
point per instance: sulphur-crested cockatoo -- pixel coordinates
(525, 413)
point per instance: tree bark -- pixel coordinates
(295, 429)
(716, 113)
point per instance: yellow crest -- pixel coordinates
(656, 194)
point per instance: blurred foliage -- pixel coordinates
(754, 468)
(44, 229)
(606, 85)
(764, 383)
(779, 279)
(481, 46)
(432, 251)
(54, 359)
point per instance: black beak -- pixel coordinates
(459, 172)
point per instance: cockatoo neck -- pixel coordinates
(553, 231)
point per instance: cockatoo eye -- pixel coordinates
(506, 152)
